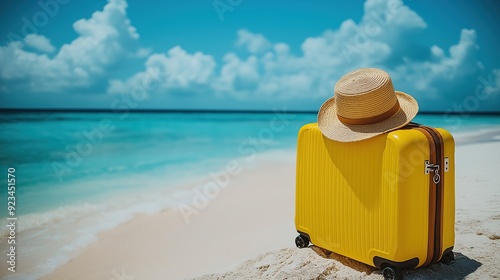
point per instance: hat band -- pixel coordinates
(375, 119)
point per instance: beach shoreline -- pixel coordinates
(251, 220)
(186, 230)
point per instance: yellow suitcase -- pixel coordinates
(388, 201)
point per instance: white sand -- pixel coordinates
(252, 215)
(247, 232)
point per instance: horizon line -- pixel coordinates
(227, 111)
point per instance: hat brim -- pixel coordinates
(334, 129)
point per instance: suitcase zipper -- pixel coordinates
(435, 192)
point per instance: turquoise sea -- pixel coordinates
(78, 173)
(54, 151)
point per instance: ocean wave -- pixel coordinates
(67, 230)
(35, 221)
(488, 134)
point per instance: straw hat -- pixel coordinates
(365, 105)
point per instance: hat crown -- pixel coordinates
(365, 93)
(365, 105)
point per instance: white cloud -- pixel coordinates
(442, 72)
(39, 42)
(278, 73)
(175, 70)
(180, 68)
(254, 43)
(237, 74)
(391, 12)
(104, 38)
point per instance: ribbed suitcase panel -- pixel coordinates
(345, 211)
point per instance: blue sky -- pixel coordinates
(241, 54)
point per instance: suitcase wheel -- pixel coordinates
(301, 241)
(448, 258)
(392, 273)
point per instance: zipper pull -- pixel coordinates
(436, 178)
(432, 167)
